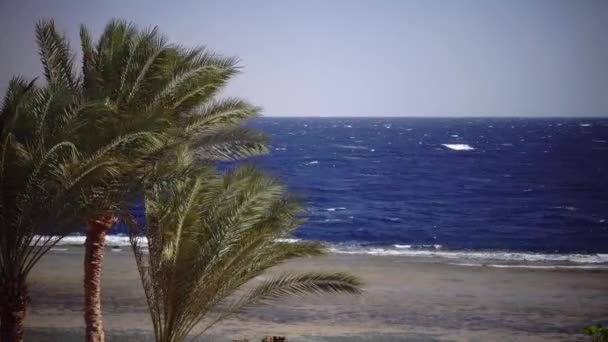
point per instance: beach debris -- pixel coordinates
(274, 339)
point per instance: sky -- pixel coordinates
(364, 57)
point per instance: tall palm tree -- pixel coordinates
(47, 184)
(73, 151)
(206, 235)
(144, 85)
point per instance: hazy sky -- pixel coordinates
(368, 58)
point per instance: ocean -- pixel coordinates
(512, 189)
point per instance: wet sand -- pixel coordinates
(406, 300)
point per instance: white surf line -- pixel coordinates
(539, 267)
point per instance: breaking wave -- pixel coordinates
(435, 252)
(459, 147)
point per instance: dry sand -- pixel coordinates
(405, 300)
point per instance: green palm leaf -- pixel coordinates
(208, 234)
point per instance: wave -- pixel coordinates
(120, 241)
(417, 246)
(436, 252)
(288, 240)
(351, 147)
(335, 209)
(312, 162)
(459, 147)
(538, 267)
(111, 240)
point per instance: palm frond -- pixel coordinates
(55, 55)
(209, 234)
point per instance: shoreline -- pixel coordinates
(405, 298)
(427, 253)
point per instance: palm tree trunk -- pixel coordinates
(93, 263)
(14, 299)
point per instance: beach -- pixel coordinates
(406, 299)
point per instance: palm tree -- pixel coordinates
(145, 85)
(206, 235)
(73, 151)
(47, 184)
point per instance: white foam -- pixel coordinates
(116, 241)
(585, 125)
(537, 267)
(334, 209)
(424, 251)
(288, 240)
(454, 135)
(459, 147)
(565, 207)
(348, 126)
(403, 246)
(312, 162)
(475, 255)
(280, 149)
(111, 240)
(351, 147)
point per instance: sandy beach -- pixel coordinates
(406, 300)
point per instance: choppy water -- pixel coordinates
(476, 184)
(465, 188)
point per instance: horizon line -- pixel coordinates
(602, 116)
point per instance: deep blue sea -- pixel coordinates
(517, 189)
(533, 185)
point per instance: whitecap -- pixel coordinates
(351, 147)
(288, 240)
(280, 148)
(473, 255)
(459, 147)
(585, 125)
(565, 207)
(454, 135)
(334, 209)
(111, 241)
(535, 267)
(312, 162)
(348, 126)
(372, 150)
(403, 246)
